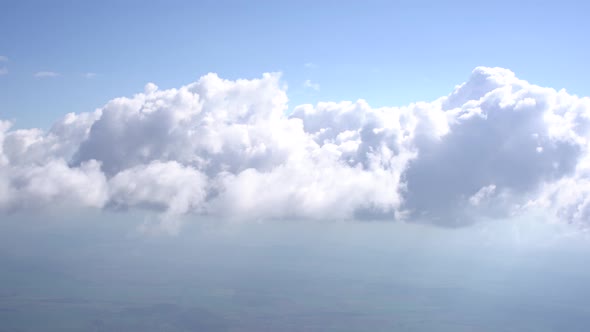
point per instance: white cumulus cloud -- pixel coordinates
(494, 146)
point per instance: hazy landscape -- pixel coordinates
(294, 276)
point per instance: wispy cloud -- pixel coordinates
(3, 69)
(89, 75)
(310, 65)
(46, 74)
(311, 85)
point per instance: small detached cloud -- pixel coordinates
(89, 75)
(310, 65)
(45, 74)
(311, 85)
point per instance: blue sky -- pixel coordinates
(471, 212)
(387, 52)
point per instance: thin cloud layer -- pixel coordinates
(495, 146)
(45, 74)
(3, 68)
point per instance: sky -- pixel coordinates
(74, 56)
(287, 166)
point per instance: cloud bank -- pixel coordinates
(495, 146)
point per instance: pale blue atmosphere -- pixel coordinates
(261, 166)
(389, 53)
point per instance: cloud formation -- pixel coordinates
(495, 146)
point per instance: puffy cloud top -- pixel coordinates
(496, 145)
